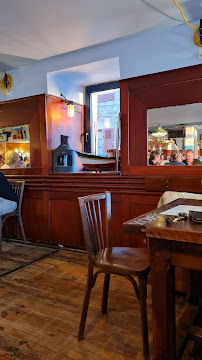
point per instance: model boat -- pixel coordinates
(96, 162)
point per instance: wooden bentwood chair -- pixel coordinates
(123, 261)
(18, 188)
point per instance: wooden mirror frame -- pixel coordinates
(31, 111)
(137, 95)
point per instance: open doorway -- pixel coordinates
(104, 110)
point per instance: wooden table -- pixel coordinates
(175, 244)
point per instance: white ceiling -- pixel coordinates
(31, 30)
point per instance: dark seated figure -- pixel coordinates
(8, 199)
(154, 158)
(189, 158)
(175, 158)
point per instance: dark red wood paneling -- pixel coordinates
(35, 220)
(170, 88)
(137, 131)
(170, 94)
(166, 77)
(65, 224)
(124, 126)
(173, 183)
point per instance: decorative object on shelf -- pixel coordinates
(70, 107)
(15, 138)
(112, 152)
(5, 84)
(159, 132)
(19, 133)
(95, 162)
(63, 157)
(3, 138)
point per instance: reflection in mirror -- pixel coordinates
(14, 147)
(175, 135)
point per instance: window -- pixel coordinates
(105, 107)
(103, 103)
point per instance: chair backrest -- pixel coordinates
(96, 220)
(18, 188)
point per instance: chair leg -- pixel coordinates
(105, 293)
(6, 230)
(84, 312)
(143, 310)
(22, 229)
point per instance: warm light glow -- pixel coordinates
(107, 123)
(70, 110)
(16, 150)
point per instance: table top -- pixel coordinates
(153, 224)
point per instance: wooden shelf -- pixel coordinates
(18, 142)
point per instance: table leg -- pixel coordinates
(163, 301)
(195, 290)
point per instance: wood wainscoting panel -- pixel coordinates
(35, 219)
(65, 223)
(116, 220)
(173, 183)
(140, 204)
(65, 220)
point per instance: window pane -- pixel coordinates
(105, 107)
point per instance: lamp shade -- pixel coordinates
(159, 132)
(70, 109)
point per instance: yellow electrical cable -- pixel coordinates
(195, 38)
(5, 84)
(183, 15)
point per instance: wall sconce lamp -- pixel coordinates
(70, 107)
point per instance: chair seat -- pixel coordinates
(123, 260)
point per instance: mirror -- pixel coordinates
(15, 147)
(173, 130)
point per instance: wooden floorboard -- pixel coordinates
(40, 309)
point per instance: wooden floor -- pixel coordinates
(40, 311)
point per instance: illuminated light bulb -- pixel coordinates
(70, 110)
(107, 123)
